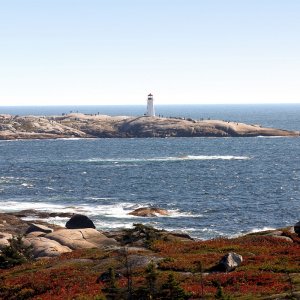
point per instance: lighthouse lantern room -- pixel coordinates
(150, 106)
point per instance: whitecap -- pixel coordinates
(49, 188)
(254, 230)
(168, 158)
(28, 185)
(176, 213)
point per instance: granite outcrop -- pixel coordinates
(76, 125)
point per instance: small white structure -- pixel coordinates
(150, 106)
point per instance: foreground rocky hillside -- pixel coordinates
(80, 262)
(99, 126)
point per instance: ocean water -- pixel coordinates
(212, 186)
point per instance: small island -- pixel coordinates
(77, 125)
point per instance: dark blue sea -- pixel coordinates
(212, 186)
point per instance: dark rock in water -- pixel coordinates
(297, 228)
(149, 212)
(80, 221)
(38, 227)
(40, 214)
(229, 262)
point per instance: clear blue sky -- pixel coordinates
(117, 51)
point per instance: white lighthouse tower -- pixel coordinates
(150, 106)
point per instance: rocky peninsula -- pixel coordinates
(77, 125)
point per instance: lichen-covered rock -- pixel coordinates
(80, 221)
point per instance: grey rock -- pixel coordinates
(230, 262)
(80, 221)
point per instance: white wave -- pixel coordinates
(176, 213)
(168, 158)
(254, 230)
(270, 137)
(108, 225)
(9, 179)
(14, 206)
(69, 139)
(49, 188)
(113, 211)
(200, 157)
(28, 185)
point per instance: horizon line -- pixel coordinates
(162, 104)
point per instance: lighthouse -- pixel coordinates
(150, 106)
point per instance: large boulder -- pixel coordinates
(81, 238)
(229, 262)
(80, 221)
(297, 228)
(43, 247)
(149, 212)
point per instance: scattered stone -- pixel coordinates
(81, 238)
(149, 212)
(229, 262)
(80, 221)
(38, 227)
